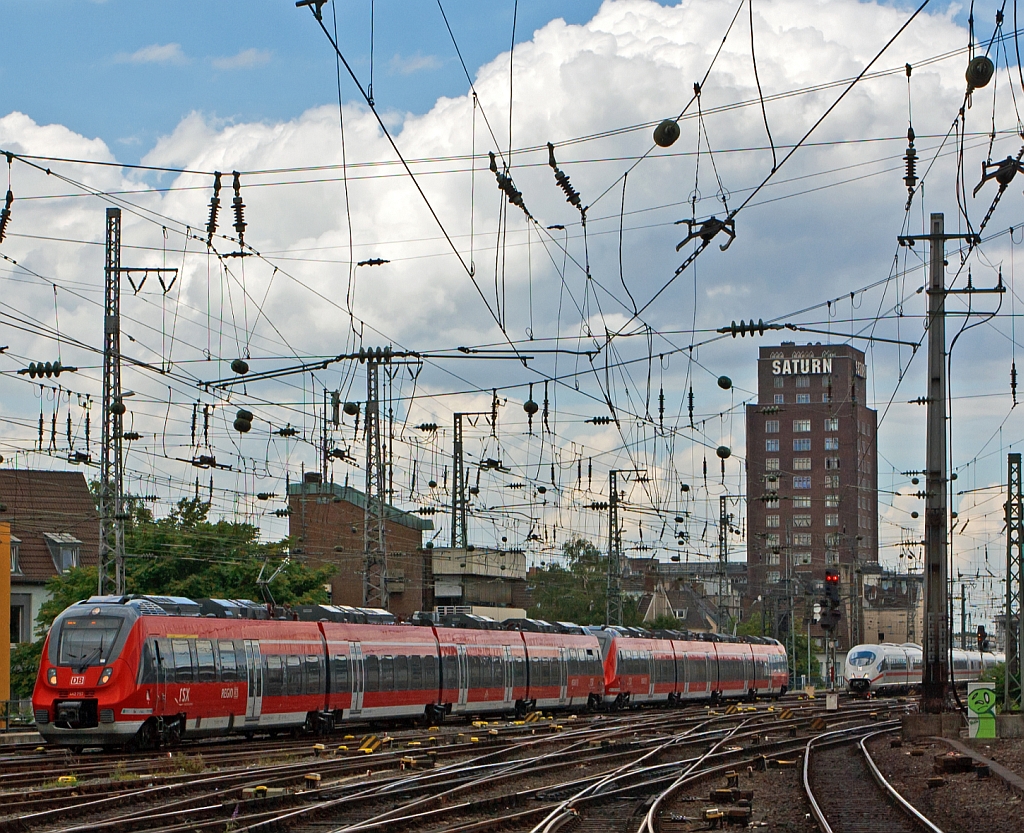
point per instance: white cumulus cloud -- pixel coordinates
(167, 53)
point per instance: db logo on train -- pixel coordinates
(78, 679)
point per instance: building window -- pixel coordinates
(831, 481)
(801, 521)
(803, 399)
(802, 502)
(772, 576)
(771, 503)
(802, 539)
(771, 521)
(832, 540)
(803, 381)
(832, 424)
(771, 539)
(801, 464)
(831, 501)
(780, 399)
(771, 558)
(831, 520)
(831, 462)
(831, 443)
(826, 398)
(64, 550)
(801, 426)
(780, 381)
(802, 444)
(15, 556)
(831, 557)
(802, 559)
(801, 482)
(771, 426)
(771, 464)
(771, 445)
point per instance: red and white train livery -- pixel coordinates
(134, 670)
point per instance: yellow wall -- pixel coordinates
(5, 609)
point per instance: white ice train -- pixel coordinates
(892, 668)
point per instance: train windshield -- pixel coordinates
(858, 659)
(87, 641)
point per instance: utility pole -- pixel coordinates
(613, 610)
(723, 554)
(1014, 541)
(375, 559)
(935, 683)
(459, 502)
(111, 553)
(111, 492)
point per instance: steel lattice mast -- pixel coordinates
(613, 611)
(459, 502)
(375, 559)
(1014, 541)
(111, 552)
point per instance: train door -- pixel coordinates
(650, 673)
(355, 656)
(254, 680)
(463, 660)
(748, 671)
(507, 665)
(563, 675)
(161, 679)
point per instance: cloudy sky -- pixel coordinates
(597, 310)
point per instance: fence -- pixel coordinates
(15, 715)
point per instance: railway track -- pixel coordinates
(510, 780)
(848, 794)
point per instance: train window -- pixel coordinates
(519, 671)
(339, 673)
(416, 673)
(858, 659)
(207, 665)
(275, 677)
(371, 673)
(312, 674)
(474, 671)
(147, 663)
(293, 677)
(85, 641)
(430, 682)
(228, 672)
(182, 661)
(450, 671)
(387, 673)
(401, 673)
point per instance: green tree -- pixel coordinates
(183, 554)
(578, 591)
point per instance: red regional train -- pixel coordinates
(143, 670)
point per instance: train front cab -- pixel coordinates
(84, 690)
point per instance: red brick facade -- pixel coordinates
(326, 527)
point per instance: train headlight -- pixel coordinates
(105, 676)
(51, 676)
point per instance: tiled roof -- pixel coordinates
(37, 503)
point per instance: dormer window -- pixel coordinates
(65, 550)
(15, 556)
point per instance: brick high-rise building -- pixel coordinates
(812, 475)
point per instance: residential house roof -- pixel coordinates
(45, 508)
